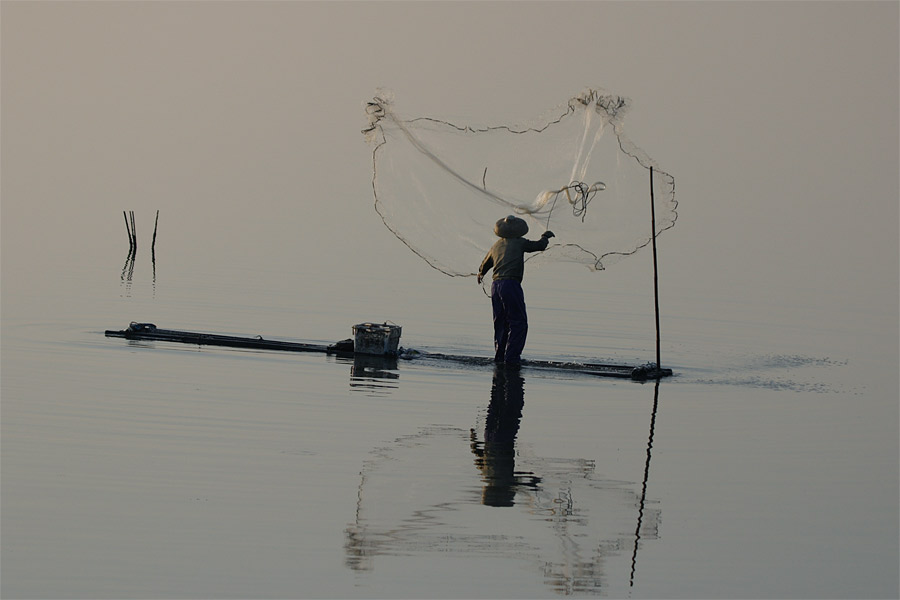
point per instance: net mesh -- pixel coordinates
(440, 186)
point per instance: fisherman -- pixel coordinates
(507, 258)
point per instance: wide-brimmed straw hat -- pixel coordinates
(511, 227)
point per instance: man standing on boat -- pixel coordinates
(507, 258)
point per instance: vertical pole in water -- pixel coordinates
(153, 245)
(153, 249)
(134, 232)
(130, 237)
(655, 271)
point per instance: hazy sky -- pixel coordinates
(779, 120)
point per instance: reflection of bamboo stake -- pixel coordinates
(128, 262)
(637, 532)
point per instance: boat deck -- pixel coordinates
(149, 332)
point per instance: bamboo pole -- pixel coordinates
(133, 233)
(655, 269)
(153, 249)
(128, 230)
(153, 246)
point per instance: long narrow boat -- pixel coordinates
(150, 332)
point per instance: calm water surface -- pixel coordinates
(767, 467)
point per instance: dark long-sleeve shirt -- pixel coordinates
(507, 257)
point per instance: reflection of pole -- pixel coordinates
(637, 531)
(655, 272)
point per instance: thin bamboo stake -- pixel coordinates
(153, 250)
(655, 270)
(128, 230)
(153, 246)
(134, 232)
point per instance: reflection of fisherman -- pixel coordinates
(507, 257)
(497, 459)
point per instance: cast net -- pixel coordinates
(440, 186)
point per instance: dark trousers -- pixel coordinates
(510, 320)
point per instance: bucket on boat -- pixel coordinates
(376, 338)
